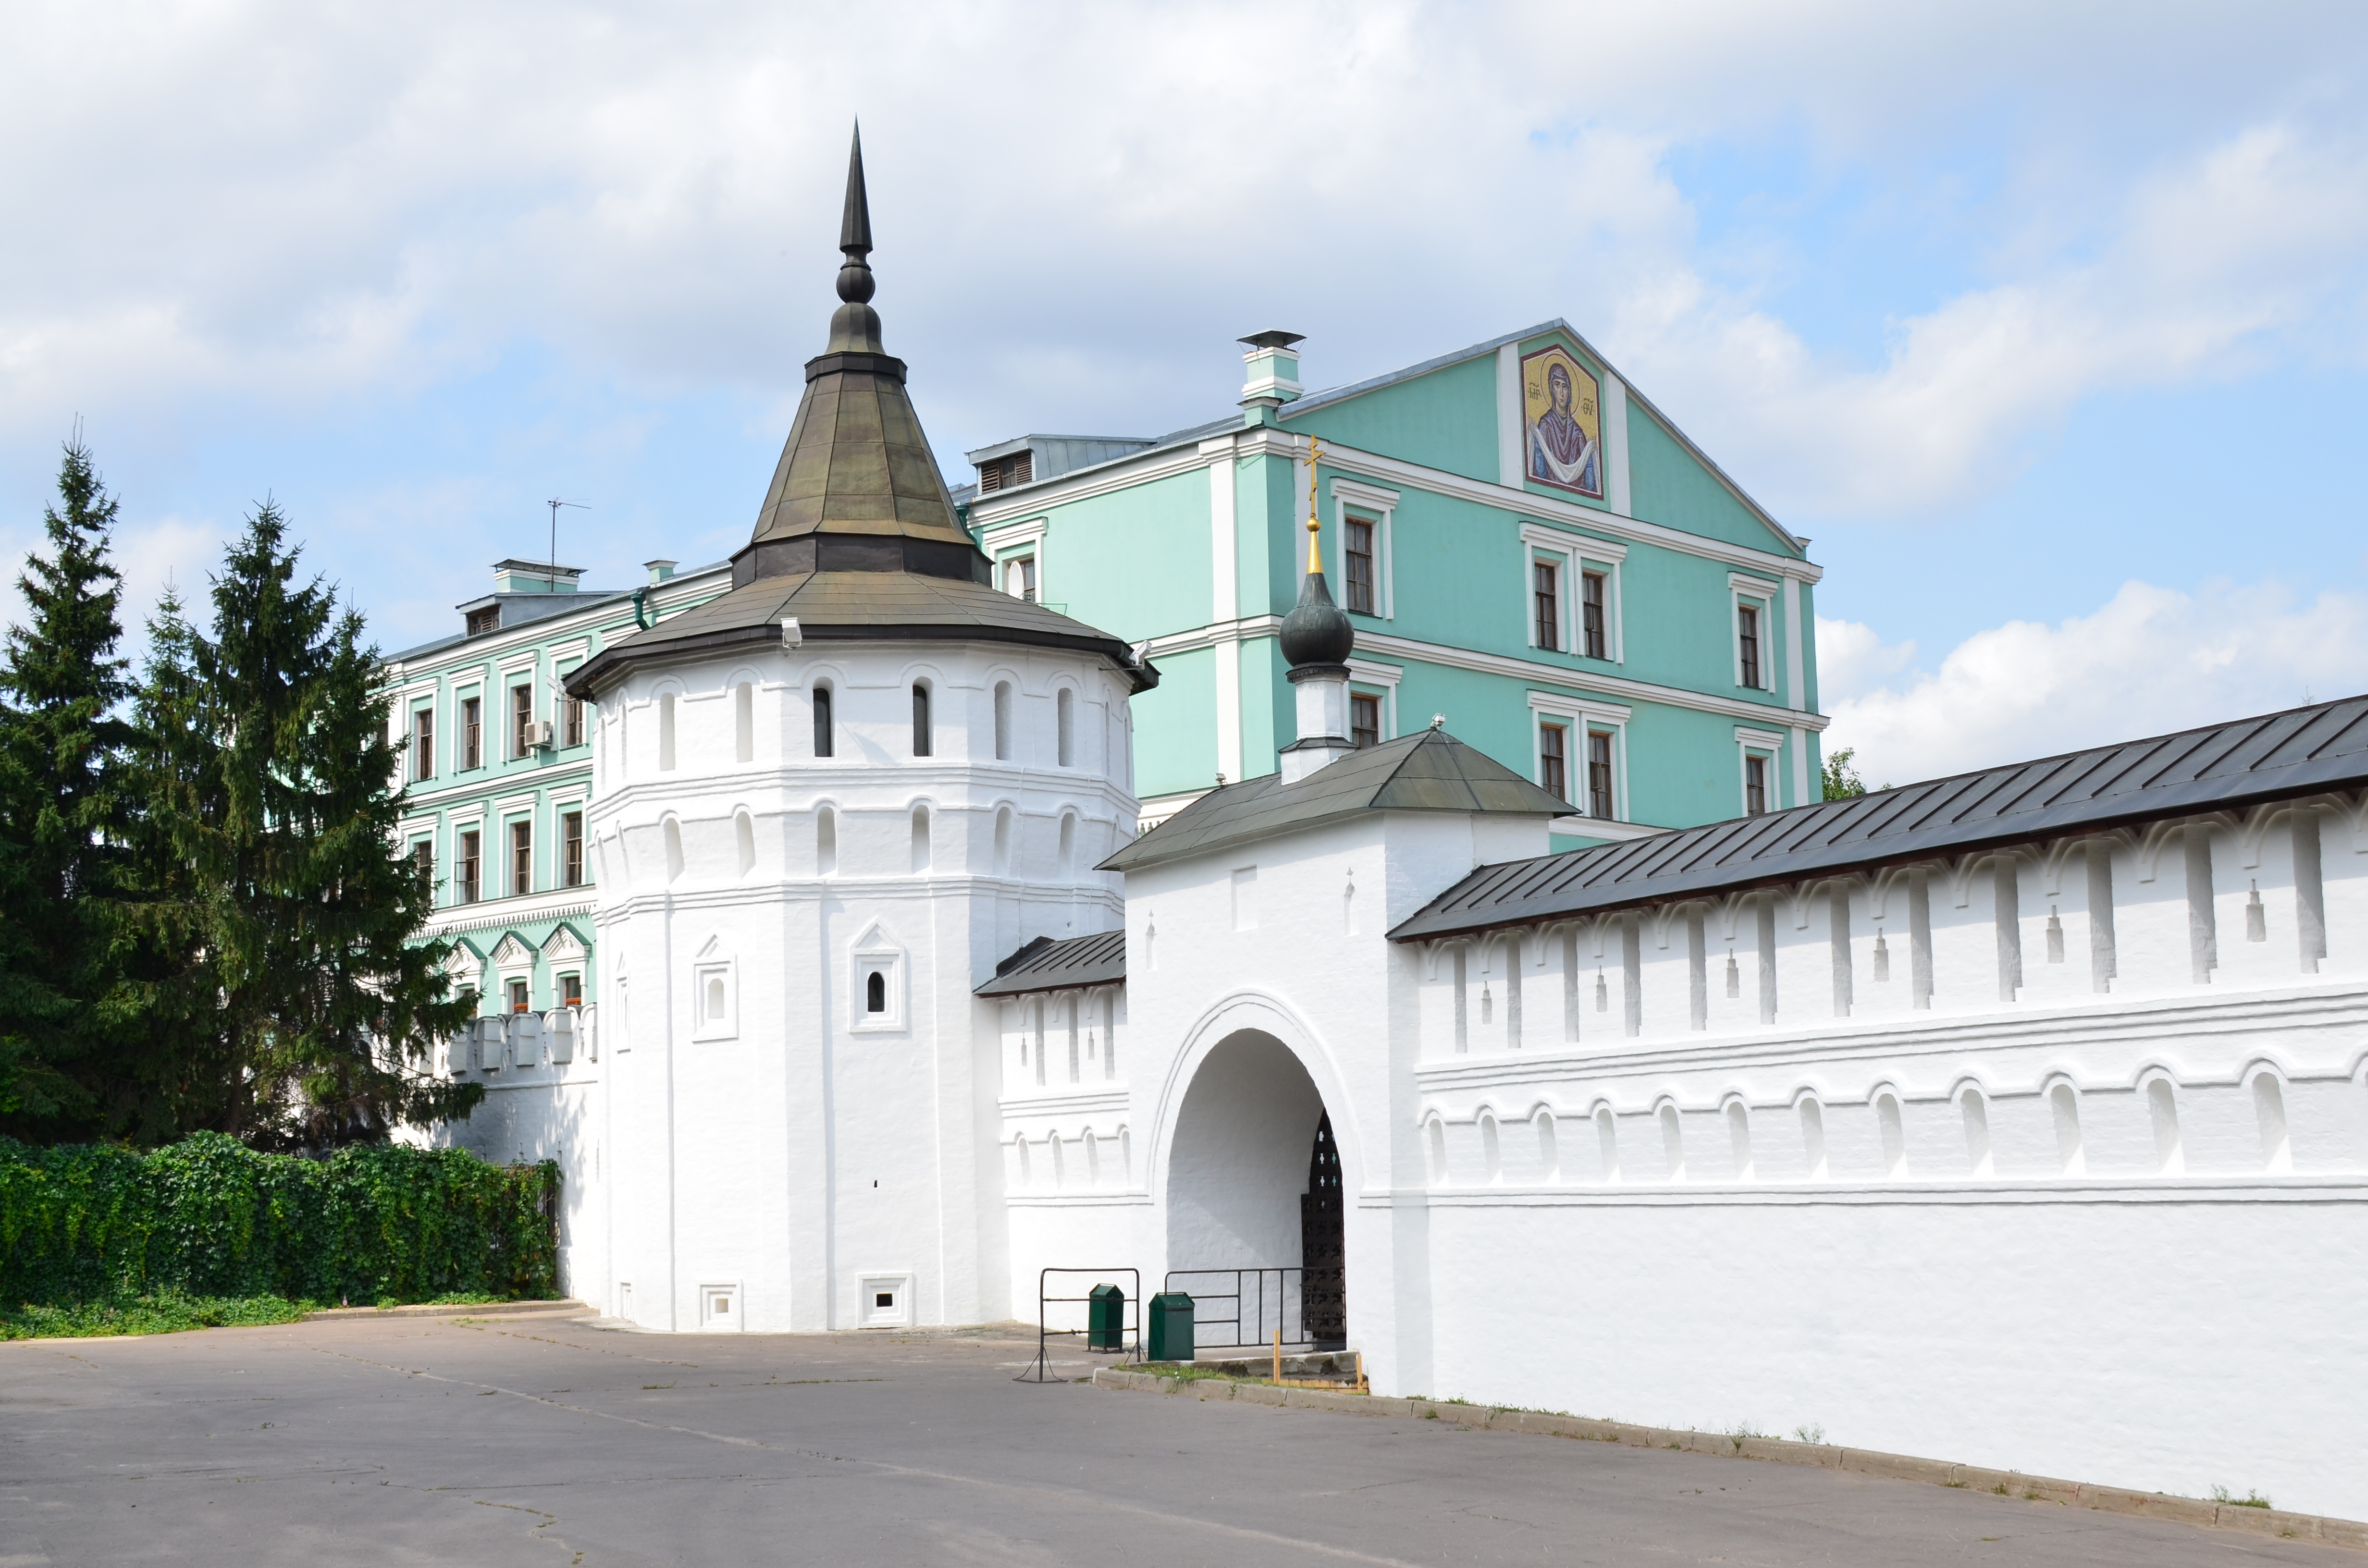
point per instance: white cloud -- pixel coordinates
(2149, 661)
(1080, 205)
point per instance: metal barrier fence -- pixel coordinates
(1264, 1300)
(1130, 1320)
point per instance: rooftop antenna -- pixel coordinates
(552, 558)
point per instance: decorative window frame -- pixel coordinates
(475, 686)
(509, 814)
(1574, 553)
(713, 963)
(730, 1321)
(564, 953)
(1383, 679)
(1582, 714)
(1008, 542)
(1742, 586)
(512, 959)
(1770, 744)
(872, 951)
(527, 663)
(868, 1285)
(1349, 494)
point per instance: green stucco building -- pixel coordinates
(1526, 544)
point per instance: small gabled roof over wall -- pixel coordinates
(2247, 762)
(1044, 964)
(1429, 770)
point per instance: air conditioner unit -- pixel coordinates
(538, 734)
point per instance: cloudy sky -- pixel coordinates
(2046, 321)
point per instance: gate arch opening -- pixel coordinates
(1254, 1182)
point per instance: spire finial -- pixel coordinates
(855, 326)
(855, 282)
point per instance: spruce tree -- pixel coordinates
(276, 786)
(66, 1020)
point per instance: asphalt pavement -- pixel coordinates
(551, 1440)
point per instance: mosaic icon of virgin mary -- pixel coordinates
(1564, 417)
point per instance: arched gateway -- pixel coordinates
(1253, 1190)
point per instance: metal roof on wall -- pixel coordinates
(1044, 964)
(2245, 762)
(1429, 770)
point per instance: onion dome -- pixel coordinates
(1316, 634)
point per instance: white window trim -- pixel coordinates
(1364, 672)
(868, 1285)
(1581, 715)
(708, 1323)
(1762, 593)
(1017, 537)
(873, 950)
(1574, 553)
(713, 964)
(514, 969)
(1771, 745)
(1348, 494)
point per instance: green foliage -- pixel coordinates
(272, 777)
(165, 1314)
(66, 1022)
(1842, 782)
(102, 1227)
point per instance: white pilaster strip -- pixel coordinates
(1796, 668)
(1225, 603)
(1615, 444)
(1508, 415)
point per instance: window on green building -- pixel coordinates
(1357, 565)
(521, 859)
(1364, 720)
(423, 744)
(465, 869)
(473, 733)
(1554, 760)
(1599, 803)
(1592, 640)
(1547, 594)
(570, 838)
(1746, 641)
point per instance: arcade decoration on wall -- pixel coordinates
(1562, 422)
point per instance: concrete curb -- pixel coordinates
(2272, 1522)
(423, 1309)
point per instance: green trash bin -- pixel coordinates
(1171, 1326)
(1106, 1318)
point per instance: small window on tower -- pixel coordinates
(876, 993)
(1364, 720)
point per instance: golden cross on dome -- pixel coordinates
(1315, 525)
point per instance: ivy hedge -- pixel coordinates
(211, 1217)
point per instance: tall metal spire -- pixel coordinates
(854, 325)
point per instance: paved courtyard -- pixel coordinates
(545, 1439)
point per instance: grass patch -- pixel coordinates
(2251, 1499)
(164, 1312)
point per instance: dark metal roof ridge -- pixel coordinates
(1948, 815)
(1043, 964)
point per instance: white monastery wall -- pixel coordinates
(2049, 1219)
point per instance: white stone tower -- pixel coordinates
(825, 805)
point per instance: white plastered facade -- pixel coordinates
(1941, 1170)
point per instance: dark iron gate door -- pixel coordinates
(1324, 1284)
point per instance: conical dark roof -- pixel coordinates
(856, 463)
(857, 538)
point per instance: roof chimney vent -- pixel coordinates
(1271, 378)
